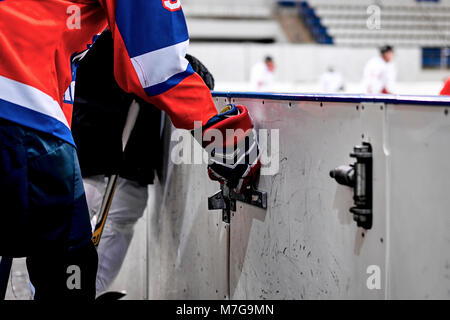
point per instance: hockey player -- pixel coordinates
(100, 110)
(331, 81)
(262, 75)
(44, 214)
(380, 73)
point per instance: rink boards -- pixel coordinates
(306, 245)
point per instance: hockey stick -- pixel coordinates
(113, 179)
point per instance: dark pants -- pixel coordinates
(43, 213)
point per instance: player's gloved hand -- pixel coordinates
(231, 142)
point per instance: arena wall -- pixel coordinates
(306, 244)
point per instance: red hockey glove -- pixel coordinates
(231, 141)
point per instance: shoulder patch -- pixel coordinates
(172, 5)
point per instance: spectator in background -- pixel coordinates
(331, 81)
(380, 73)
(446, 89)
(262, 75)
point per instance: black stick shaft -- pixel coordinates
(5, 270)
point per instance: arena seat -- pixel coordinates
(228, 9)
(231, 20)
(401, 23)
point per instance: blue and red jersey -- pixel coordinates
(39, 38)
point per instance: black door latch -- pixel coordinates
(359, 177)
(226, 198)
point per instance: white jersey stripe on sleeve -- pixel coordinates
(30, 98)
(158, 66)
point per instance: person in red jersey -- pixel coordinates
(44, 215)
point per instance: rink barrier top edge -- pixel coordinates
(440, 101)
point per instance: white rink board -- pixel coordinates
(306, 245)
(188, 245)
(419, 205)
